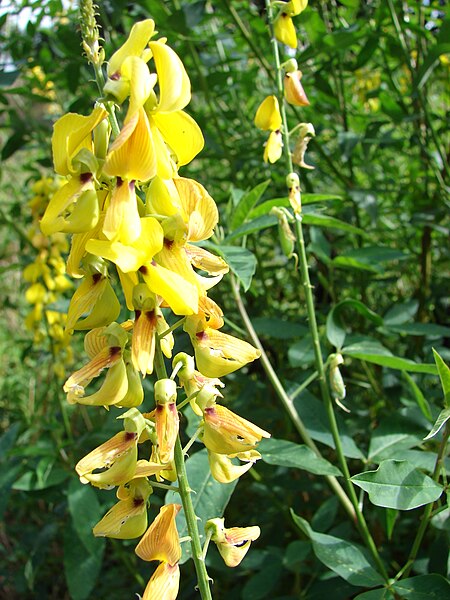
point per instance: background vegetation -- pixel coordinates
(376, 220)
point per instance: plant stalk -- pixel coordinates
(186, 500)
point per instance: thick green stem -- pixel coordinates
(186, 500)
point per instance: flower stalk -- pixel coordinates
(310, 309)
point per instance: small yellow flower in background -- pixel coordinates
(293, 89)
(227, 433)
(268, 116)
(284, 29)
(233, 543)
(161, 541)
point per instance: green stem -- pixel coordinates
(429, 507)
(186, 500)
(362, 525)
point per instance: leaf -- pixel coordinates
(444, 376)
(419, 397)
(423, 587)
(314, 416)
(429, 63)
(398, 484)
(346, 262)
(392, 435)
(246, 203)
(278, 329)
(379, 355)
(241, 261)
(81, 568)
(428, 329)
(331, 222)
(252, 227)
(379, 594)
(29, 481)
(335, 329)
(287, 454)
(442, 419)
(265, 207)
(85, 511)
(400, 313)
(344, 558)
(210, 498)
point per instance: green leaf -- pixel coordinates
(287, 454)
(29, 481)
(335, 329)
(398, 484)
(81, 568)
(265, 207)
(400, 313)
(346, 262)
(422, 403)
(331, 222)
(246, 203)
(423, 587)
(429, 329)
(442, 419)
(241, 261)
(252, 227)
(392, 435)
(444, 376)
(210, 497)
(278, 329)
(85, 511)
(379, 355)
(314, 416)
(380, 594)
(430, 62)
(344, 558)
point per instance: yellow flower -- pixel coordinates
(225, 471)
(166, 418)
(161, 541)
(293, 89)
(128, 518)
(268, 116)
(273, 147)
(95, 296)
(233, 543)
(164, 583)
(228, 433)
(284, 30)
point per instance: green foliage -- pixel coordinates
(375, 215)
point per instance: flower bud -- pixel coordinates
(293, 89)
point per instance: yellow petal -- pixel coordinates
(135, 392)
(53, 219)
(161, 541)
(122, 222)
(174, 84)
(71, 133)
(274, 147)
(295, 7)
(165, 164)
(162, 197)
(131, 257)
(224, 470)
(204, 260)
(137, 41)
(293, 89)
(268, 116)
(105, 310)
(107, 357)
(132, 155)
(180, 295)
(218, 354)
(143, 341)
(118, 456)
(167, 425)
(85, 298)
(164, 583)
(181, 133)
(112, 391)
(135, 70)
(226, 432)
(284, 30)
(199, 208)
(128, 281)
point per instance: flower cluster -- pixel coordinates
(47, 281)
(136, 222)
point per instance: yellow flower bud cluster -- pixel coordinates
(47, 281)
(136, 222)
